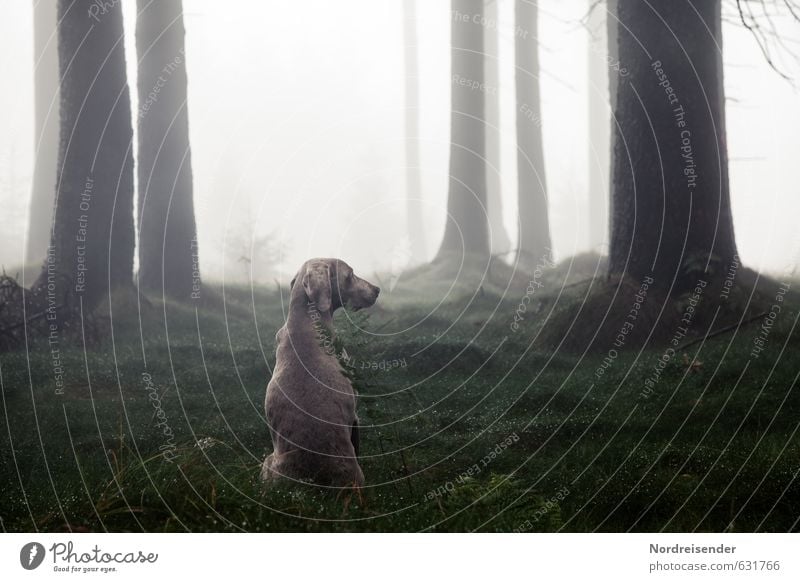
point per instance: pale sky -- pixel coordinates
(296, 115)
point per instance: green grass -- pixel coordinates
(715, 447)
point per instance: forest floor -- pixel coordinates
(469, 422)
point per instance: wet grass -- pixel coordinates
(467, 425)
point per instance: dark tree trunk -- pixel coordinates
(533, 226)
(416, 227)
(467, 228)
(498, 236)
(670, 207)
(93, 237)
(46, 97)
(167, 232)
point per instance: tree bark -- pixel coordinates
(467, 228)
(498, 236)
(168, 263)
(670, 213)
(92, 245)
(416, 227)
(46, 98)
(533, 226)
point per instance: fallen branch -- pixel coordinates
(29, 320)
(584, 281)
(725, 329)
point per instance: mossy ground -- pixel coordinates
(444, 384)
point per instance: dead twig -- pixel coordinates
(725, 329)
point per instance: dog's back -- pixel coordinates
(311, 411)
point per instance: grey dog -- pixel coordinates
(310, 404)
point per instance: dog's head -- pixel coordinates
(331, 284)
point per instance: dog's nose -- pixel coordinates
(377, 290)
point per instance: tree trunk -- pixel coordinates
(494, 192)
(46, 97)
(600, 67)
(533, 225)
(670, 213)
(467, 228)
(92, 244)
(612, 42)
(416, 227)
(168, 264)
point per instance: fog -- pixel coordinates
(296, 120)
(159, 372)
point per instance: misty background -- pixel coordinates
(296, 125)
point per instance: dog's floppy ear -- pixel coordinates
(317, 285)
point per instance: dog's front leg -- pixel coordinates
(354, 436)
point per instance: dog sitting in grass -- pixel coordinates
(310, 404)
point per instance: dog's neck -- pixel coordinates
(306, 318)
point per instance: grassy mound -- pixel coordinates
(600, 313)
(467, 424)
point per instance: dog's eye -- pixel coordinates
(349, 278)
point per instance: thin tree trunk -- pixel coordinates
(167, 232)
(416, 227)
(92, 246)
(599, 119)
(46, 98)
(494, 191)
(671, 213)
(612, 42)
(467, 228)
(534, 227)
